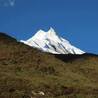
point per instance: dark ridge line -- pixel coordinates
(9, 37)
(4, 34)
(72, 57)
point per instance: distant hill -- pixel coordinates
(26, 72)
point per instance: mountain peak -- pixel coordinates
(50, 42)
(39, 35)
(51, 32)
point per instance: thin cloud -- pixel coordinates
(12, 2)
(7, 3)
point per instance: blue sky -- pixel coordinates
(75, 20)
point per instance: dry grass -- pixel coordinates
(24, 70)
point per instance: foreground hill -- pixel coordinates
(29, 73)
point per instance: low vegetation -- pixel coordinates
(29, 73)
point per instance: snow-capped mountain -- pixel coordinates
(50, 42)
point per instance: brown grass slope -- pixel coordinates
(25, 71)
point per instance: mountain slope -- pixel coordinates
(52, 43)
(26, 72)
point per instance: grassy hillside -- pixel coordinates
(26, 72)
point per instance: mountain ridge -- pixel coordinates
(25, 72)
(4, 36)
(50, 42)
